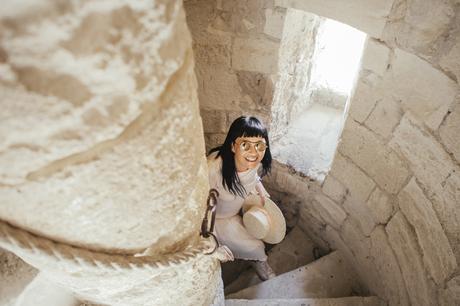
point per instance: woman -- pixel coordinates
(233, 173)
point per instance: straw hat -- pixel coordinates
(263, 222)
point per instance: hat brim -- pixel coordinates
(277, 229)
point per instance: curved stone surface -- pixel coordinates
(190, 277)
(101, 142)
(402, 127)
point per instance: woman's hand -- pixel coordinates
(224, 254)
(262, 192)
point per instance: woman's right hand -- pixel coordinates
(224, 254)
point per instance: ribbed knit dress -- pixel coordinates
(229, 228)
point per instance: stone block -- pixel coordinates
(334, 189)
(375, 57)
(329, 211)
(404, 244)
(213, 140)
(361, 213)
(244, 17)
(255, 54)
(435, 172)
(367, 16)
(385, 117)
(449, 132)
(214, 121)
(212, 52)
(359, 245)
(298, 186)
(451, 60)
(274, 22)
(282, 179)
(357, 183)
(421, 88)
(253, 84)
(232, 115)
(419, 23)
(299, 32)
(437, 253)
(218, 87)
(363, 101)
(388, 279)
(379, 204)
(371, 155)
(312, 224)
(426, 157)
(198, 19)
(451, 294)
(445, 198)
(360, 264)
(354, 237)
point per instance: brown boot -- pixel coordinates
(263, 270)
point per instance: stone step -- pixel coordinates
(15, 275)
(345, 301)
(296, 250)
(328, 277)
(43, 292)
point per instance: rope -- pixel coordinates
(13, 238)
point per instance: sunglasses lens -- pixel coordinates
(260, 146)
(245, 146)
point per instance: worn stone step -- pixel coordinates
(41, 291)
(328, 277)
(15, 275)
(345, 301)
(296, 250)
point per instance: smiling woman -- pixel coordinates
(233, 173)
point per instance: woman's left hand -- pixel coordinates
(262, 192)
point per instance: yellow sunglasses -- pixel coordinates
(245, 145)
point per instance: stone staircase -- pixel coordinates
(346, 301)
(301, 280)
(15, 275)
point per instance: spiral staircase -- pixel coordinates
(301, 280)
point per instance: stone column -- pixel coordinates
(101, 148)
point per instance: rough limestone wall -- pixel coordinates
(236, 46)
(391, 198)
(97, 97)
(292, 91)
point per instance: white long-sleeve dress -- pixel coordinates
(229, 227)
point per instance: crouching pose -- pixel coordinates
(233, 172)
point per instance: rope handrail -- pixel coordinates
(12, 238)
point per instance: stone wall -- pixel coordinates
(391, 198)
(236, 46)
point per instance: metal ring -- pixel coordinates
(215, 246)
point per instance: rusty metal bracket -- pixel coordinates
(207, 226)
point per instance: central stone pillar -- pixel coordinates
(101, 147)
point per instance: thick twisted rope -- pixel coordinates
(12, 238)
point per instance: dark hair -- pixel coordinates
(244, 126)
